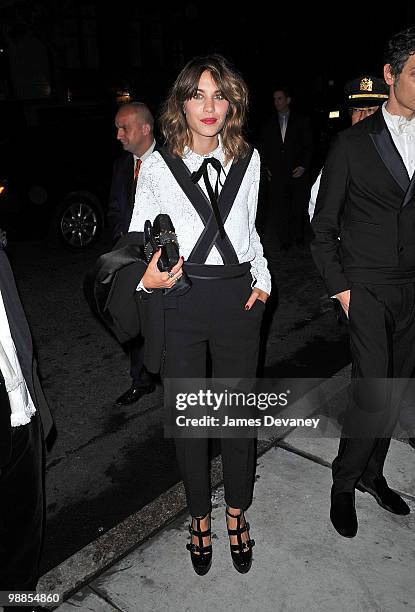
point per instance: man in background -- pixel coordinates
(134, 123)
(286, 148)
(364, 95)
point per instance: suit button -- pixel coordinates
(400, 249)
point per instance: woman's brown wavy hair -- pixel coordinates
(173, 122)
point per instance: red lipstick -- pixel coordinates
(209, 121)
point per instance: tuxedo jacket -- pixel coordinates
(366, 199)
(282, 157)
(122, 195)
(22, 339)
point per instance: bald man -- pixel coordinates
(134, 123)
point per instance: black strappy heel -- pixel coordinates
(241, 553)
(200, 555)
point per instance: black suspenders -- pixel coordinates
(210, 236)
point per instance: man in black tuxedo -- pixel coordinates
(25, 421)
(367, 198)
(286, 151)
(134, 123)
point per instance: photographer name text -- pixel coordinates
(265, 421)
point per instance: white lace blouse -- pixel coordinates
(158, 192)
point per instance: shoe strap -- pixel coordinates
(238, 530)
(199, 534)
(245, 547)
(200, 549)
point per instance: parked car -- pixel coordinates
(55, 170)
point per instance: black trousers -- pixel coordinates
(382, 340)
(212, 316)
(22, 509)
(289, 206)
(138, 371)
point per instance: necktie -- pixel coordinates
(136, 173)
(213, 195)
(137, 169)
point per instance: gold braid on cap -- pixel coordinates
(368, 95)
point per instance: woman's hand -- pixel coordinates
(154, 279)
(257, 294)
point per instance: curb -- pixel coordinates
(98, 556)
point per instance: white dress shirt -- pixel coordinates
(21, 403)
(283, 119)
(313, 196)
(158, 192)
(402, 131)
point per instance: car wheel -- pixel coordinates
(79, 221)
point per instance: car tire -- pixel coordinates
(79, 221)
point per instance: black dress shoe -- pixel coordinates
(134, 394)
(386, 497)
(343, 514)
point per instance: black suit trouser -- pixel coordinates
(212, 316)
(289, 203)
(138, 371)
(382, 340)
(22, 509)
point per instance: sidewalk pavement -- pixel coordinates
(300, 562)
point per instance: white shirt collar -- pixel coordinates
(147, 153)
(219, 153)
(396, 123)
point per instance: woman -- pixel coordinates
(207, 181)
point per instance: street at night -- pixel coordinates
(198, 198)
(107, 462)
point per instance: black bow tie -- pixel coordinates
(196, 176)
(213, 194)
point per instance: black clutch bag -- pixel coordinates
(161, 235)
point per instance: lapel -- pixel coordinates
(5, 428)
(278, 128)
(289, 126)
(129, 180)
(410, 193)
(275, 129)
(388, 152)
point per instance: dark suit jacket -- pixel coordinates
(23, 341)
(122, 195)
(366, 199)
(282, 157)
(110, 289)
(121, 201)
